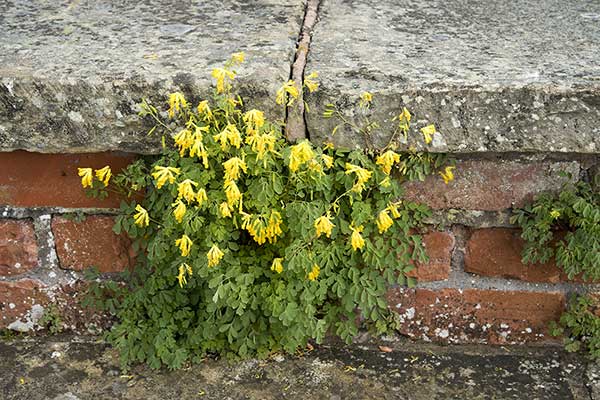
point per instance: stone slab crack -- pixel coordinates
(295, 127)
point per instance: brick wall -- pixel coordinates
(473, 289)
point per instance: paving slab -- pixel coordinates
(72, 72)
(72, 368)
(493, 76)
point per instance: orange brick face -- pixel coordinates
(51, 180)
(439, 247)
(91, 242)
(17, 299)
(18, 247)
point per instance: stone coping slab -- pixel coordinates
(69, 368)
(72, 72)
(493, 76)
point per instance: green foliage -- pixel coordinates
(249, 245)
(51, 320)
(574, 213)
(581, 324)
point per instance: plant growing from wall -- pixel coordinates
(567, 227)
(248, 244)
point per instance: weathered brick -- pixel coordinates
(91, 242)
(476, 316)
(46, 180)
(439, 246)
(497, 252)
(18, 247)
(490, 185)
(21, 304)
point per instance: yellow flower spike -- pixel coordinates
(201, 197)
(229, 134)
(86, 175)
(404, 116)
(362, 176)
(356, 239)
(204, 110)
(310, 82)
(428, 132)
(238, 57)
(273, 228)
(393, 208)
(234, 167)
(384, 222)
(255, 119)
(225, 210)
(181, 276)
(104, 175)
(387, 160)
(141, 218)
(179, 210)
(232, 192)
(554, 214)
(386, 182)
(300, 154)
(447, 174)
(314, 273)
(221, 75)
(183, 140)
(323, 225)
(188, 269)
(176, 103)
(184, 244)
(365, 99)
(186, 190)
(197, 149)
(327, 160)
(290, 88)
(164, 174)
(214, 256)
(329, 146)
(277, 265)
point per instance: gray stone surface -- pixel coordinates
(72, 368)
(72, 72)
(495, 76)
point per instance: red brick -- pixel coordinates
(475, 315)
(17, 299)
(46, 180)
(18, 247)
(439, 246)
(489, 185)
(91, 242)
(497, 252)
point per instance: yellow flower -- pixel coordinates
(255, 119)
(277, 266)
(555, 214)
(183, 269)
(214, 256)
(290, 88)
(404, 116)
(428, 133)
(310, 82)
(365, 99)
(387, 160)
(198, 149)
(201, 197)
(164, 174)
(232, 167)
(204, 110)
(314, 273)
(229, 134)
(185, 245)
(273, 228)
(393, 208)
(385, 182)
(221, 74)
(238, 57)
(232, 192)
(186, 190)
(183, 140)
(176, 103)
(362, 176)
(299, 154)
(225, 210)
(104, 175)
(447, 175)
(329, 146)
(356, 239)
(179, 210)
(384, 222)
(328, 160)
(86, 176)
(324, 225)
(261, 143)
(141, 218)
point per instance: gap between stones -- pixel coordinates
(295, 121)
